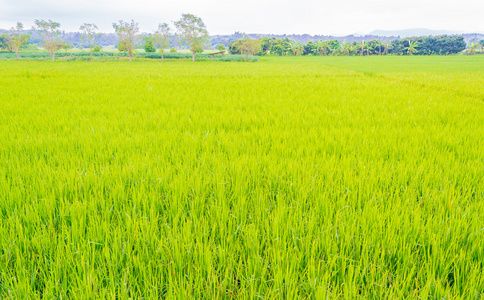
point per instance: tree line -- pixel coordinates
(189, 28)
(429, 45)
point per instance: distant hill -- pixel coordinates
(412, 32)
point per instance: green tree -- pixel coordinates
(17, 39)
(66, 46)
(96, 49)
(362, 47)
(249, 46)
(411, 48)
(162, 38)
(345, 48)
(472, 48)
(88, 32)
(50, 35)
(221, 47)
(4, 41)
(149, 45)
(297, 48)
(173, 50)
(320, 48)
(192, 31)
(127, 35)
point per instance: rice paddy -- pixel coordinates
(288, 178)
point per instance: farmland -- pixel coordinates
(288, 178)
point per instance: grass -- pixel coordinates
(290, 178)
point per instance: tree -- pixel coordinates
(346, 48)
(17, 39)
(88, 33)
(221, 47)
(96, 48)
(379, 43)
(4, 42)
(162, 38)
(385, 48)
(50, 35)
(320, 48)
(149, 45)
(66, 46)
(473, 47)
(297, 48)
(127, 34)
(361, 47)
(249, 46)
(193, 31)
(172, 50)
(411, 48)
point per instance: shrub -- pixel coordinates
(97, 48)
(149, 46)
(173, 50)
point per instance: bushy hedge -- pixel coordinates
(86, 55)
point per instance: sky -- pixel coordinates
(323, 17)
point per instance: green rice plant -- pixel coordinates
(292, 178)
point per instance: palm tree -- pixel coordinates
(379, 43)
(361, 47)
(297, 48)
(472, 48)
(411, 49)
(345, 47)
(385, 49)
(320, 48)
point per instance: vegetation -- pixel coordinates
(162, 38)
(17, 39)
(116, 56)
(420, 45)
(149, 45)
(193, 31)
(127, 35)
(88, 31)
(292, 178)
(50, 35)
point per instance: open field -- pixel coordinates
(290, 178)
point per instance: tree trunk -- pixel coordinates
(162, 56)
(16, 53)
(53, 56)
(246, 57)
(91, 54)
(193, 56)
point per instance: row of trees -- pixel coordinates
(189, 28)
(431, 45)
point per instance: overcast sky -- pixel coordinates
(256, 16)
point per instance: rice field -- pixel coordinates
(288, 178)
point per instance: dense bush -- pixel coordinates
(430, 45)
(150, 55)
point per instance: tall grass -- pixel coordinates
(290, 178)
